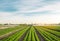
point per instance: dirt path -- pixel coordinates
(23, 36)
(39, 35)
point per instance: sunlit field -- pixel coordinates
(25, 32)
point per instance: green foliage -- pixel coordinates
(31, 35)
(49, 35)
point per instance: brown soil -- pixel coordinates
(39, 35)
(23, 36)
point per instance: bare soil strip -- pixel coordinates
(23, 36)
(39, 35)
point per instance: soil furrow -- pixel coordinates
(39, 35)
(23, 36)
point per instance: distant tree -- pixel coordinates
(6, 24)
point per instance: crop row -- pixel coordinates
(49, 35)
(31, 35)
(15, 36)
(7, 30)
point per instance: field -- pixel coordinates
(30, 33)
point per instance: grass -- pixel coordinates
(53, 27)
(49, 33)
(15, 36)
(10, 29)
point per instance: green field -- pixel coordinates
(30, 33)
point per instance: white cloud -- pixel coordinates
(5, 14)
(48, 18)
(13, 19)
(53, 7)
(52, 17)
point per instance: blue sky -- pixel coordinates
(29, 11)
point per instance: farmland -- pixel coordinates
(30, 33)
